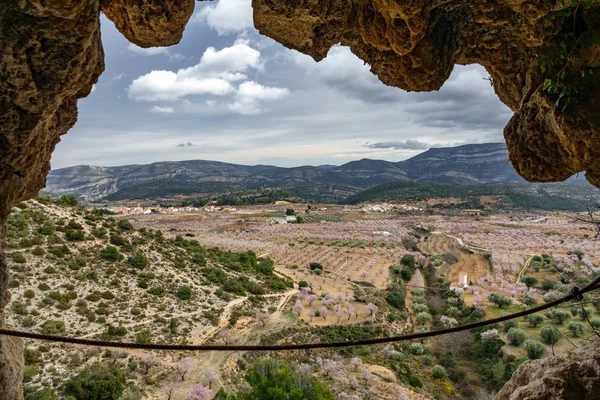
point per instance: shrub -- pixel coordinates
(138, 260)
(529, 281)
(315, 265)
(144, 336)
(511, 323)
(576, 328)
(38, 251)
(19, 258)
(100, 233)
(516, 336)
(184, 292)
(438, 372)
(302, 284)
(423, 318)
(110, 253)
(408, 260)
(406, 274)
(74, 236)
(157, 291)
(54, 327)
(124, 225)
(416, 348)
(97, 382)
(29, 294)
(534, 320)
(549, 334)
(549, 284)
(585, 312)
(595, 323)
(534, 349)
(43, 286)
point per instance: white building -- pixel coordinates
(462, 280)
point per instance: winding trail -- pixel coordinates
(416, 280)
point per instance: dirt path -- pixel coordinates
(524, 269)
(416, 280)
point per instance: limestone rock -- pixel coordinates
(149, 23)
(574, 377)
(415, 44)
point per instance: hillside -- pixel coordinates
(548, 196)
(468, 164)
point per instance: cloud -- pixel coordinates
(118, 77)
(342, 70)
(162, 110)
(150, 51)
(227, 16)
(212, 75)
(409, 144)
(188, 144)
(249, 95)
(93, 89)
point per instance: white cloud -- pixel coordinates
(150, 51)
(162, 110)
(118, 77)
(93, 89)
(249, 95)
(227, 16)
(212, 75)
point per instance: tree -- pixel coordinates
(124, 225)
(303, 284)
(534, 349)
(365, 374)
(263, 318)
(323, 312)
(516, 336)
(298, 308)
(511, 323)
(225, 336)
(585, 312)
(560, 316)
(212, 376)
(355, 362)
(199, 392)
(549, 334)
(148, 362)
(167, 388)
(499, 299)
(372, 308)
(97, 382)
(311, 298)
(528, 299)
(184, 366)
(576, 328)
(438, 372)
(131, 394)
(534, 320)
(54, 327)
(289, 211)
(448, 322)
(423, 318)
(184, 292)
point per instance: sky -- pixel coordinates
(227, 93)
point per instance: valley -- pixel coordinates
(243, 275)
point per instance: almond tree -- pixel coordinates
(225, 336)
(167, 388)
(350, 310)
(366, 375)
(184, 366)
(212, 376)
(199, 392)
(263, 318)
(355, 362)
(323, 311)
(298, 308)
(372, 308)
(149, 362)
(311, 298)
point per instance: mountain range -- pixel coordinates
(464, 165)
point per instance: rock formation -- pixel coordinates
(415, 44)
(51, 55)
(574, 377)
(542, 56)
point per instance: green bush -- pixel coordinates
(529, 281)
(560, 316)
(516, 336)
(29, 294)
(595, 323)
(157, 291)
(138, 260)
(585, 312)
(110, 253)
(54, 327)
(416, 348)
(500, 300)
(184, 292)
(439, 372)
(97, 382)
(38, 251)
(534, 349)
(19, 258)
(124, 225)
(302, 284)
(144, 336)
(549, 284)
(409, 261)
(406, 273)
(534, 320)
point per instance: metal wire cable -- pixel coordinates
(576, 293)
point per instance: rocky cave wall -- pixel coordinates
(541, 56)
